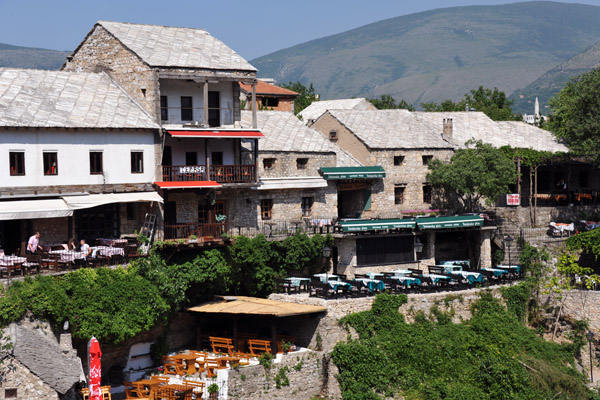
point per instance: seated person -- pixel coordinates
(85, 249)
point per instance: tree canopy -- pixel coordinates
(306, 95)
(387, 102)
(493, 103)
(474, 173)
(576, 114)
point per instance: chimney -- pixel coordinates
(447, 127)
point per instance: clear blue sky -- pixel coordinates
(252, 28)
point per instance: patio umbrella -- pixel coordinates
(94, 356)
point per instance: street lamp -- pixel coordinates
(508, 242)
(418, 249)
(590, 337)
(327, 254)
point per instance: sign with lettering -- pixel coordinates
(513, 199)
(192, 169)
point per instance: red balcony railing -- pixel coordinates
(218, 173)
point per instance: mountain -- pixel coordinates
(550, 83)
(29, 57)
(440, 54)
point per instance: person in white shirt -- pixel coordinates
(85, 249)
(33, 244)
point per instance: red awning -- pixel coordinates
(188, 185)
(236, 134)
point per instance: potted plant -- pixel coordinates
(286, 347)
(213, 391)
(193, 239)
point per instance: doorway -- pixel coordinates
(214, 109)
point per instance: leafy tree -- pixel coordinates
(306, 95)
(492, 103)
(474, 173)
(576, 114)
(387, 102)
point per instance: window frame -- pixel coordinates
(47, 158)
(302, 163)
(427, 193)
(271, 161)
(164, 108)
(306, 205)
(187, 109)
(333, 136)
(426, 159)
(94, 168)
(399, 194)
(14, 162)
(398, 160)
(139, 158)
(266, 209)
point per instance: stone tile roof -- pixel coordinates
(166, 46)
(285, 132)
(478, 126)
(392, 129)
(317, 108)
(267, 88)
(57, 99)
(44, 358)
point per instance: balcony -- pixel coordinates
(205, 232)
(218, 173)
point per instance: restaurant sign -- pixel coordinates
(192, 169)
(513, 199)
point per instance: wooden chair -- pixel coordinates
(258, 346)
(32, 263)
(197, 389)
(173, 366)
(221, 345)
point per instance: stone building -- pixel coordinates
(190, 82)
(268, 96)
(78, 158)
(38, 366)
(311, 113)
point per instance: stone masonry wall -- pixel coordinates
(304, 370)
(286, 164)
(410, 174)
(520, 216)
(14, 375)
(103, 52)
(52, 230)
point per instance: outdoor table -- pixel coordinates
(190, 362)
(401, 271)
(435, 278)
(325, 277)
(335, 285)
(8, 263)
(110, 242)
(512, 268)
(143, 386)
(371, 284)
(407, 280)
(374, 275)
(107, 251)
(472, 277)
(68, 255)
(298, 282)
(495, 271)
(448, 269)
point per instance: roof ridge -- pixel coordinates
(157, 25)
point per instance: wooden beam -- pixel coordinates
(254, 123)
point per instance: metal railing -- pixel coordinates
(203, 232)
(218, 173)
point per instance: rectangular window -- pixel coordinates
(268, 163)
(50, 163)
(187, 111)
(301, 163)
(398, 160)
(266, 208)
(164, 108)
(399, 194)
(137, 162)
(95, 162)
(333, 135)
(270, 101)
(17, 162)
(10, 393)
(427, 160)
(307, 203)
(426, 194)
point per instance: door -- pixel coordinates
(214, 110)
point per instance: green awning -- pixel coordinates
(461, 221)
(376, 224)
(373, 172)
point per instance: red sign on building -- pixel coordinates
(512, 200)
